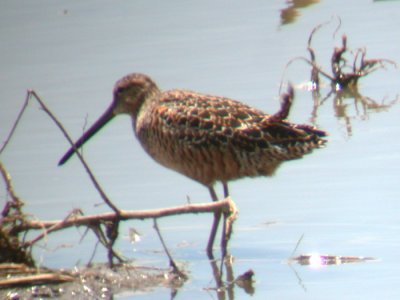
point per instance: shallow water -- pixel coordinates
(343, 198)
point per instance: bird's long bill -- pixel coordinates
(103, 120)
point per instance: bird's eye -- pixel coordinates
(120, 91)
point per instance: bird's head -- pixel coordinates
(130, 94)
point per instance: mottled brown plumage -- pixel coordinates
(206, 138)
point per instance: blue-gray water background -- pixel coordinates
(344, 198)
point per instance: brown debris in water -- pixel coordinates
(18, 281)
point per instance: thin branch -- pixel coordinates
(10, 189)
(297, 244)
(15, 125)
(45, 232)
(102, 238)
(306, 60)
(112, 230)
(85, 165)
(55, 225)
(171, 260)
(32, 93)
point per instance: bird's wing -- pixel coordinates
(202, 119)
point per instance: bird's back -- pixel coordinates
(209, 138)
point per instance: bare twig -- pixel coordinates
(45, 231)
(297, 244)
(316, 70)
(112, 230)
(15, 125)
(344, 73)
(309, 62)
(102, 237)
(11, 219)
(15, 202)
(95, 221)
(171, 260)
(222, 205)
(103, 195)
(7, 181)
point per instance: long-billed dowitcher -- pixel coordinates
(207, 138)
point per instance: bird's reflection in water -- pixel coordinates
(224, 282)
(225, 289)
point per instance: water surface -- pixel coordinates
(343, 198)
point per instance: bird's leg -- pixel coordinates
(226, 190)
(226, 226)
(214, 228)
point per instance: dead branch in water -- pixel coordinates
(79, 220)
(12, 217)
(347, 65)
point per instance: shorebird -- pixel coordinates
(206, 138)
